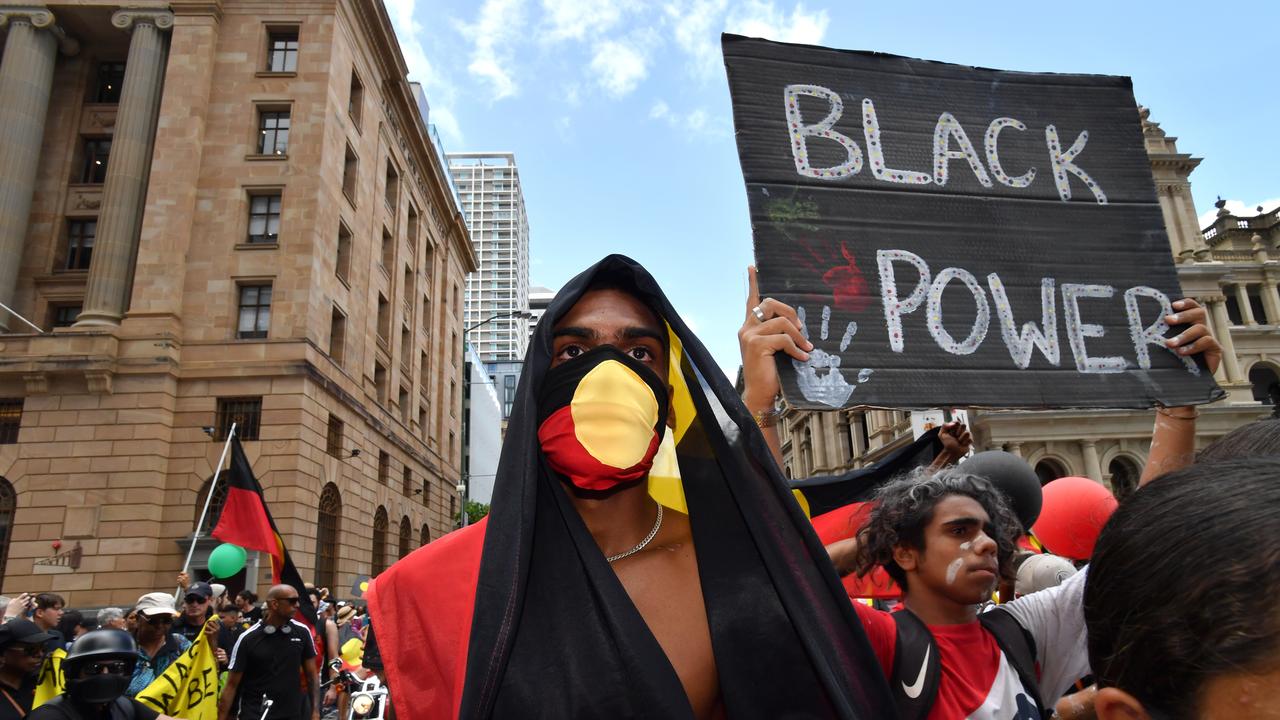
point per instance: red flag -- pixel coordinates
(245, 521)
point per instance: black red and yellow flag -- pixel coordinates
(246, 521)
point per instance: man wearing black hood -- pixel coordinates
(97, 669)
(638, 561)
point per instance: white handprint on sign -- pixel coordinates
(819, 378)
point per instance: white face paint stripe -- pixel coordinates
(953, 569)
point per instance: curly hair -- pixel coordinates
(904, 507)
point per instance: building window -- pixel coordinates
(424, 535)
(379, 561)
(96, 153)
(453, 394)
(350, 173)
(245, 412)
(282, 50)
(216, 504)
(10, 420)
(327, 529)
(384, 319)
(110, 80)
(405, 534)
(384, 466)
(388, 250)
(453, 442)
(411, 227)
(337, 334)
(8, 506)
(453, 510)
(424, 374)
(355, 100)
(80, 237)
(273, 132)
(407, 482)
(65, 315)
(342, 265)
(404, 405)
(392, 189)
(264, 218)
(333, 441)
(255, 312)
(380, 382)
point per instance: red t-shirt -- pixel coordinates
(977, 680)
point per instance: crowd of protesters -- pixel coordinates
(261, 648)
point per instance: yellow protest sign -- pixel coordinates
(49, 684)
(188, 688)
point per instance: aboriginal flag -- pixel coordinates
(245, 521)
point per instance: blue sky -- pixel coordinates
(618, 111)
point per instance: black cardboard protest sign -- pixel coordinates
(955, 235)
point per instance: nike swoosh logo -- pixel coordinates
(913, 690)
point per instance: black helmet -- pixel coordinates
(102, 646)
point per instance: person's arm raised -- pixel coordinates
(956, 441)
(1173, 441)
(770, 327)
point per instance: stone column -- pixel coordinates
(1246, 307)
(26, 80)
(1271, 300)
(1222, 326)
(1092, 463)
(111, 271)
(1014, 448)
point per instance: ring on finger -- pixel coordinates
(758, 313)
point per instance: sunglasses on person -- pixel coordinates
(159, 619)
(108, 667)
(30, 650)
(195, 599)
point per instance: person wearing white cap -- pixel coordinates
(158, 646)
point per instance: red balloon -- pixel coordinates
(1075, 509)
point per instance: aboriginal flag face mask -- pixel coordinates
(601, 417)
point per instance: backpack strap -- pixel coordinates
(1017, 645)
(917, 669)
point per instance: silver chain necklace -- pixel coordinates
(647, 539)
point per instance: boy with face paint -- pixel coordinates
(581, 595)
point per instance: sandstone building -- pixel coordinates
(220, 211)
(1232, 268)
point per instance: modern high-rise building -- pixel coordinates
(218, 212)
(493, 203)
(539, 300)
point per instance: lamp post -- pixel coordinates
(465, 482)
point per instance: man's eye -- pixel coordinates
(570, 351)
(641, 353)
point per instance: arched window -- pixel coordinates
(1124, 476)
(1266, 386)
(1049, 469)
(215, 507)
(405, 534)
(8, 506)
(327, 528)
(424, 536)
(379, 562)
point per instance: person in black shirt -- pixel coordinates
(46, 615)
(195, 610)
(97, 670)
(265, 663)
(247, 601)
(22, 649)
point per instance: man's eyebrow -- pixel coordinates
(574, 331)
(966, 521)
(636, 332)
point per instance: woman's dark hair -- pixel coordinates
(1184, 581)
(248, 596)
(1260, 438)
(67, 624)
(904, 508)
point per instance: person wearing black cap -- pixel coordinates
(22, 649)
(195, 611)
(639, 560)
(97, 671)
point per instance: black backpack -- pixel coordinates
(916, 649)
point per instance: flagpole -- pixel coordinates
(208, 499)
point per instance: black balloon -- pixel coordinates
(1014, 477)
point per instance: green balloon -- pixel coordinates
(226, 560)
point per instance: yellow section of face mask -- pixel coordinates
(614, 414)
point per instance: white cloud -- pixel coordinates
(760, 18)
(573, 95)
(493, 37)
(659, 110)
(1239, 209)
(697, 25)
(619, 66)
(579, 20)
(698, 121)
(441, 94)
